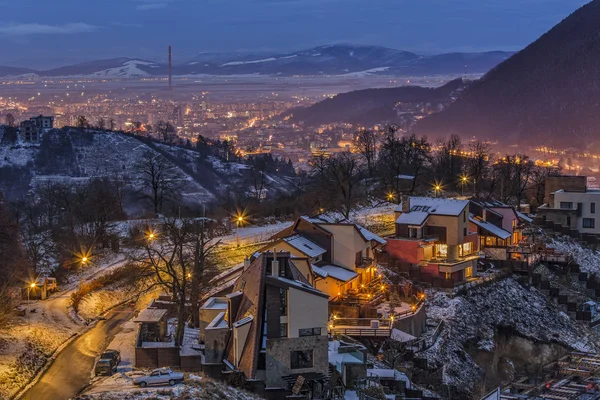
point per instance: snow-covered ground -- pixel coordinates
(587, 258)
(472, 318)
(28, 342)
(194, 387)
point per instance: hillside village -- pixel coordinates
(420, 296)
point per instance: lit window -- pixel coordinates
(442, 250)
(468, 272)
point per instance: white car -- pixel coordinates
(160, 376)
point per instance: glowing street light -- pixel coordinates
(31, 286)
(390, 197)
(464, 180)
(239, 220)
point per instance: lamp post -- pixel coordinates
(238, 222)
(464, 180)
(437, 188)
(31, 286)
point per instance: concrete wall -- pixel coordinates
(278, 358)
(305, 310)
(407, 251)
(215, 343)
(414, 324)
(454, 226)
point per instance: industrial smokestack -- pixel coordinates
(170, 71)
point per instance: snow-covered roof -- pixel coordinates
(304, 245)
(151, 315)
(413, 218)
(436, 206)
(319, 271)
(339, 273)
(320, 219)
(524, 217)
(215, 303)
(370, 235)
(337, 358)
(491, 228)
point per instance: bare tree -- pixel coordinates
(477, 165)
(538, 180)
(166, 131)
(177, 256)
(82, 122)
(160, 179)
(365, 143)
(101, 124)
(339, 176)
(10, 120)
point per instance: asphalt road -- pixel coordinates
(71, 370)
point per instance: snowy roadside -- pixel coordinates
(31, 340)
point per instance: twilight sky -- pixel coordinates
(40, 33)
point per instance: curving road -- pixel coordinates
(71, 370)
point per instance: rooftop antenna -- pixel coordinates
(170, 71)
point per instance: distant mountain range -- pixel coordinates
(546, 94)
(374, 106)
(322, 60)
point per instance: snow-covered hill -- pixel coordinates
(338, 59)
(74, 157)
(472, 320)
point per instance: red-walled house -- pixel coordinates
(433, 238)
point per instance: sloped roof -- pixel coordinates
(305, 246)
(317, 270)
(339, 273)
(491, 228)
(370, 235)
(524, 217)
(436, 206)
(413, 218)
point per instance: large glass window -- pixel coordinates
(309, 332)
(441, 250)
(589, 223)
(301, 359)
(465, 249)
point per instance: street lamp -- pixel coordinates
(31, 286)
(390, 197)
(238, 221)
(464, 181)
(437, 188)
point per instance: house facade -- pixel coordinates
(272, 327)
(31, 130)
(433, 237)
(334, 257)
(571, 207)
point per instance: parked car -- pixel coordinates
(105, 366)
(160, 376)
(113, 355)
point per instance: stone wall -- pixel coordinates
(278, 358)
(413, 324)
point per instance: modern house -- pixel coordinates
(272, 328)
(334, 257)
(500, 229)
(570, 206)
(433, 239)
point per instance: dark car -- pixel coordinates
(113, 355)
(108, 362)
(105, 367)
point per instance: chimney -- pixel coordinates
(405, 203)
(170, 70)
(275, 264)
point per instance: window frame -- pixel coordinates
(591, 223)
(296, 363)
